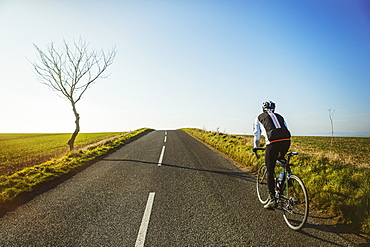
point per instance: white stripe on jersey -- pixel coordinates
(274, 119)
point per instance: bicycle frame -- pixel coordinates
(290, 193)
(287, 173)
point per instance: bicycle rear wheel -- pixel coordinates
(262, 190)
(295, 204)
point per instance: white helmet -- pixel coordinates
(268, 105)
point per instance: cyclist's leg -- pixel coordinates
(273, 152)
(271, 155)
(283, 149)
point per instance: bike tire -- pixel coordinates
(295, 205)
(262, 189)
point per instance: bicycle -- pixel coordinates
(290, 193)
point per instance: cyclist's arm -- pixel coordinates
(256, 133)
(286, 124)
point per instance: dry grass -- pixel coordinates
(337, 176)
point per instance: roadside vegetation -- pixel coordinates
(92, 146)
(18, 151)
(337, 175)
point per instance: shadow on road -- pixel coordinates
(327, 224)
(239, 175)
(316, 222)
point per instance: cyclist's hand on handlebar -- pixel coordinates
(255, 152)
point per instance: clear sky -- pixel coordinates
(193, 63)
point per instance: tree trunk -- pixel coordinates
(77, 130)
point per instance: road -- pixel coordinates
(164, 189)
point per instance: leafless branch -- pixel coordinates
(71, 70)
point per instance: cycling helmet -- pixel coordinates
(268, 105)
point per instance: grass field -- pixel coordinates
(44, 146)
(351, 150)
(23, 150)
(337, 176)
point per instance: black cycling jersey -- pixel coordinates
(272, 126)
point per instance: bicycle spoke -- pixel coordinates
(295, 203)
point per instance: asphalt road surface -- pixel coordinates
(164, 189)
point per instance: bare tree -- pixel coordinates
(70, 71)
(331, 113)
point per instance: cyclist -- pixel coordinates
(277, 137)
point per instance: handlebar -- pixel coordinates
(257, 149)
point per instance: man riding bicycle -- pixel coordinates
(277, 136)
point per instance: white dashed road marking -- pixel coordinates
(161, 157)
(145, 222)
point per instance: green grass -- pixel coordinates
(337, 176)
(352, 150)
(27, 179)
(21, 150)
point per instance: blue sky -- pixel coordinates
(195, 63)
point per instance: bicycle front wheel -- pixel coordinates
(262, 190)
(295, 204)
